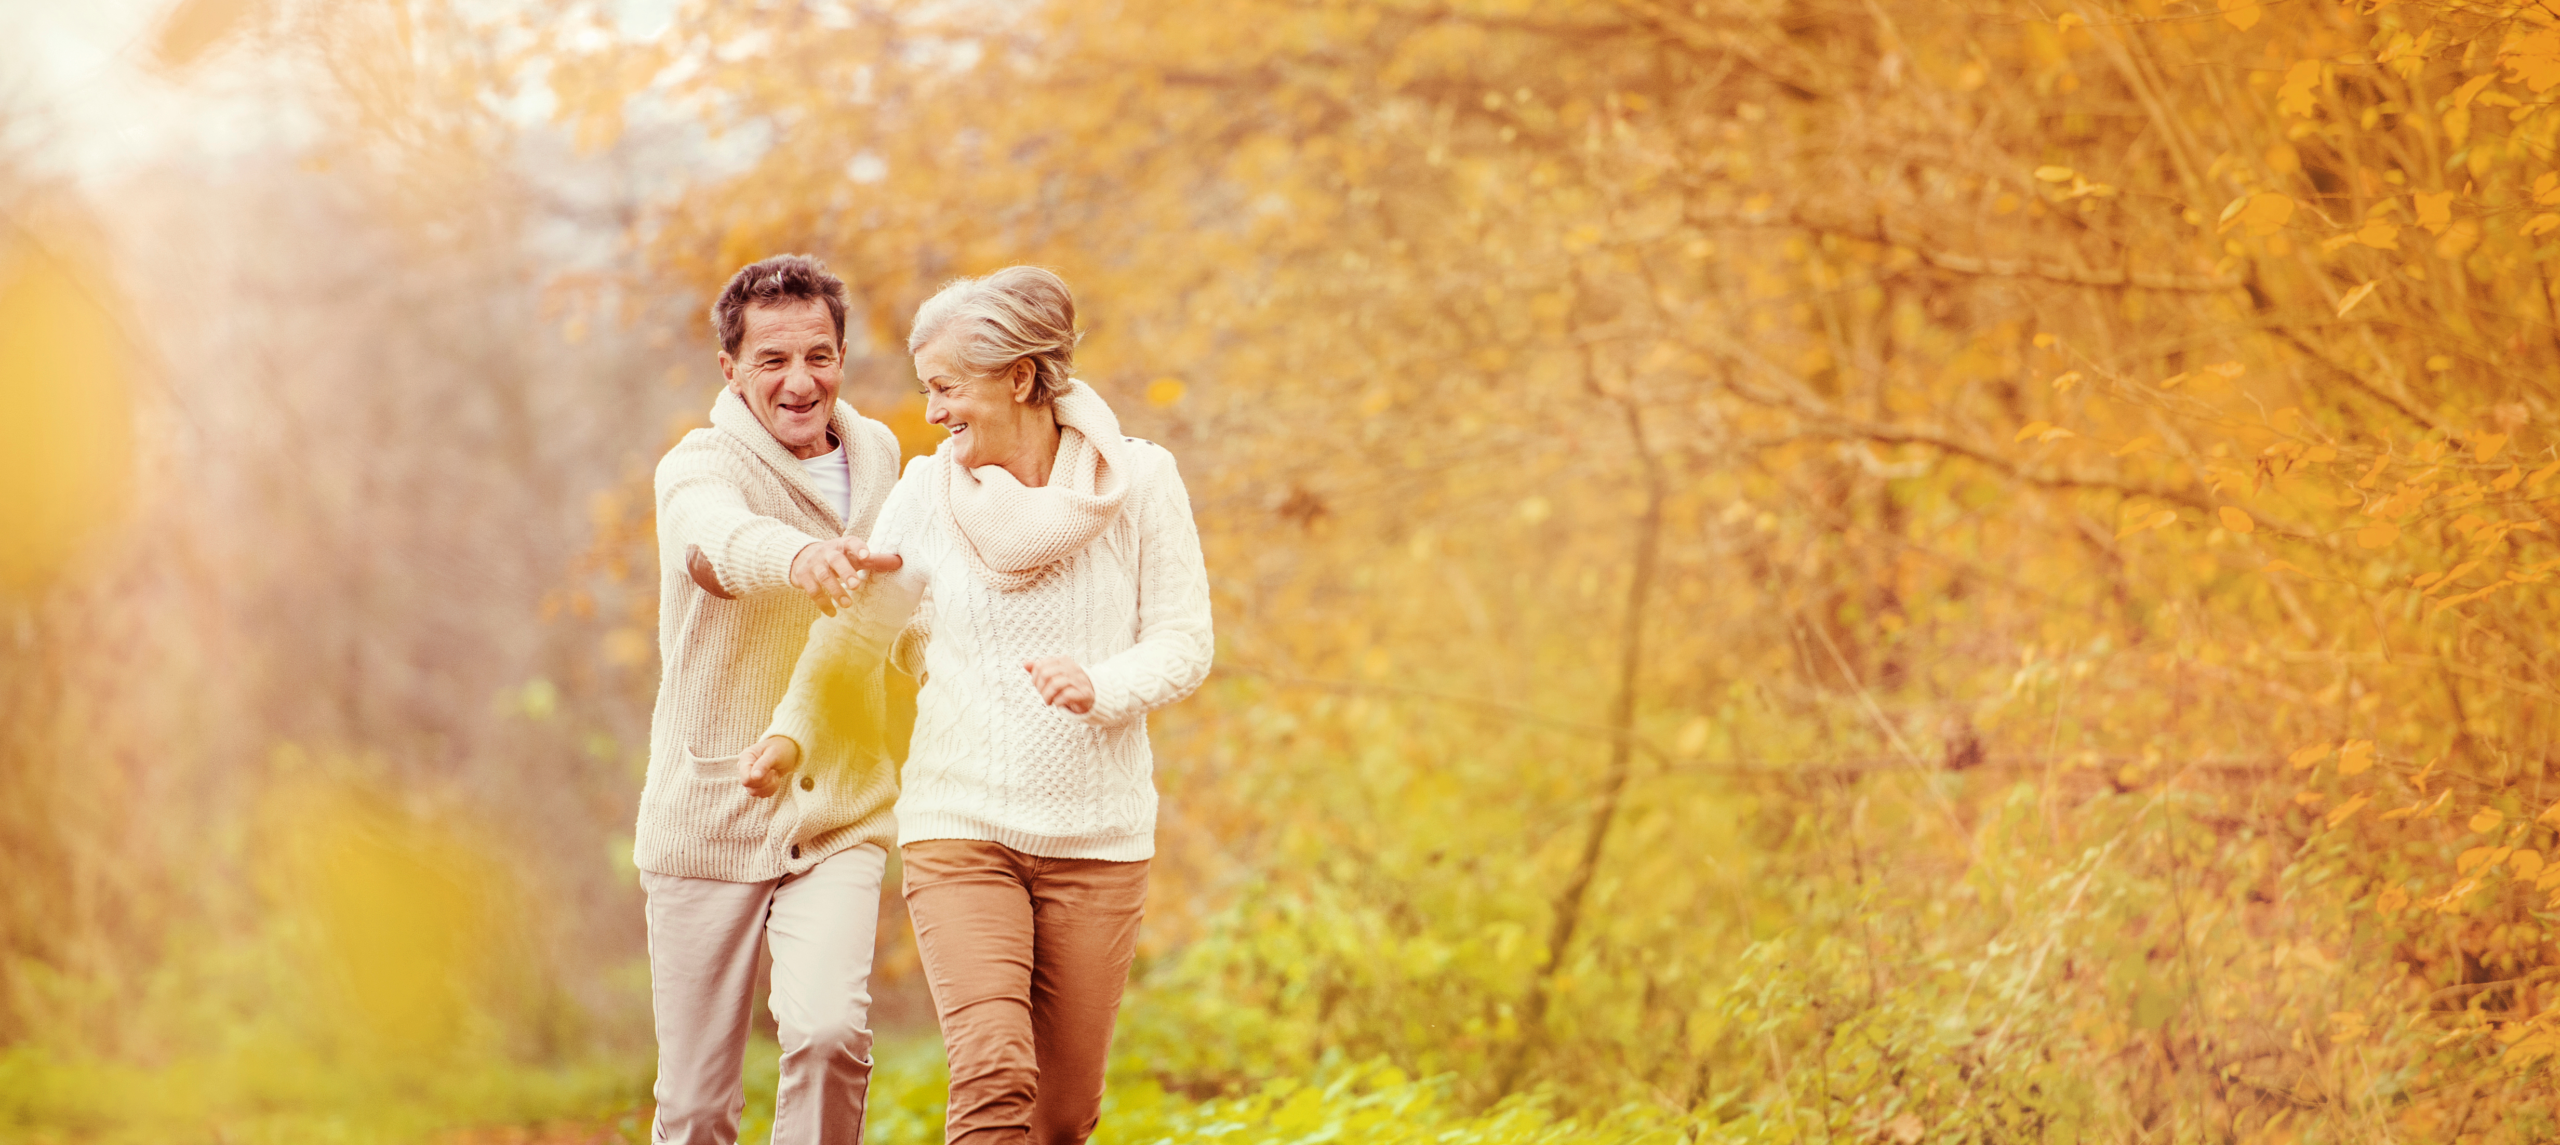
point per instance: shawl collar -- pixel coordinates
(730, 415)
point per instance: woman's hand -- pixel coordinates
(829, 571)
(1061, 683)
(769, 765)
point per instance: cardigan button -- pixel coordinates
(808, 784)
(795, 850)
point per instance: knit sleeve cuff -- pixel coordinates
(760, 561)
(797, 719)
(1124, 693)
(1113, 700)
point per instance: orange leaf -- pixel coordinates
(2378, 535)
(2306, 758)
(2435, 211)
(2533, 483)
(2150, 521)
(2356, 758)
(2238, 521)
(2295, 96)
(2419, 810)
(2487, 819)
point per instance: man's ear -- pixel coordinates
(729, 371)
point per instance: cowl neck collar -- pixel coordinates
(1011, 531)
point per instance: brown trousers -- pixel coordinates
(1026, 957)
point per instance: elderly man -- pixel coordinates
(759, 526)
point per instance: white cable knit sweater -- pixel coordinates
(989, 760)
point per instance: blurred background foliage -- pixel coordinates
(1787, 569)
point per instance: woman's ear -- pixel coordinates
(1023, 376)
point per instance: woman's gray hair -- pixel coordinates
(1016, 313)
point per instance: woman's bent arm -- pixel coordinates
(1175, 644)
(834, 686)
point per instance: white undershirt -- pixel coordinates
(834, 474)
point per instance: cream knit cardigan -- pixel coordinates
(740, 498)
(989, 760)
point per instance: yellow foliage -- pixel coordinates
(2533, 59)
(65, 430)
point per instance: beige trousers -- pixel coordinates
(703, 938)
(1026, 957)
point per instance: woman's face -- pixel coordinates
(989, 423)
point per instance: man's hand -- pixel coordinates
(829, 571)
(1062, 683)
(769, 765)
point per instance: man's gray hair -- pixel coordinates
(1016, 313)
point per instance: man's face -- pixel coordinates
(787, 368)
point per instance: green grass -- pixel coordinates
(266, 1095)
(282, 1097)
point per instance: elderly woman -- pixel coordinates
(1054, 581)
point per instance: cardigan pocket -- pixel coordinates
(713, 767)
